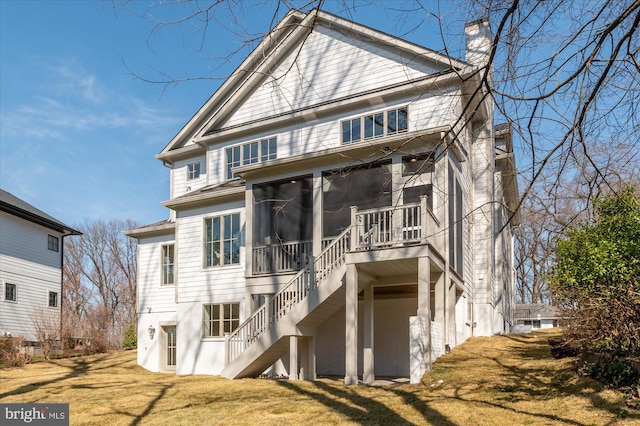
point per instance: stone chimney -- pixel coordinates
(478, 34)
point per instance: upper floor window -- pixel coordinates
(193, 170)
(376, 125)
(53, 243)
(53, 299)
(167, 264)
(10, 292)
(250, 153)
(222, 240)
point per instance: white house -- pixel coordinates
(536, 316)
(31, 255)
(341, 205)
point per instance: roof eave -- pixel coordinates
(37, 219)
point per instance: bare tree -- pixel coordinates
(99, 296)
(46, 323)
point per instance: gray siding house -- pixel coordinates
(31, 256)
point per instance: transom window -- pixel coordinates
(10, 292)
(193, 171)
(376, 125)
(167, 264)
(53, 243)
(53, 299)
(220, 318)
(222, 240)
(250, 153)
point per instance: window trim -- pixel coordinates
(221, 319)
(359, 125)
(221, 241)
(15, 292)
(235, 155)
(163, 265)
(53, 243)
(191, 173)
(57, 303)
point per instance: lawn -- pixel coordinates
(503, 380)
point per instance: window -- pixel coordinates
(53, 299)
(10, 292)
(222, 240)
(167, 265)
(455, 222)
(53, 243)
(193, 171)
(220, 318)
(250, 153)
(375, 125)
(418, 164)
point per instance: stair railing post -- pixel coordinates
(355, 227)
(423, 218)
(268, 310)
(312, 273)
(227, 345)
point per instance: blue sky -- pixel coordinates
(78, 132)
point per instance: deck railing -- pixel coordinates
(289, 256)
(305, 281)
(389, 226)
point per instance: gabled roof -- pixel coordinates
(13, 205)
(278, 43)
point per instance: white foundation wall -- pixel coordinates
(197, 354)
(391, 339)
(150, 350)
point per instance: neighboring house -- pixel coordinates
(31, 256)
(536, 316)
(341, 205)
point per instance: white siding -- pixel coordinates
(182, 185)
(327, 66)
(429, 111)
(26, 262)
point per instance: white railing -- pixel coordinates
(283, 257)
(389, 226)
(305, 281)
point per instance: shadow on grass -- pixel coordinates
(79, 367)
(366, 410)
(150, 406)
(535, 382)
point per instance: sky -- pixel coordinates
(79, 131)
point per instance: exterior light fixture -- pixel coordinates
(152, 331)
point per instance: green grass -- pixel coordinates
(505, 380)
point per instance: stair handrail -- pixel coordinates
(296, 290)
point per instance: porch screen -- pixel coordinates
(283, 211)
(365, 187)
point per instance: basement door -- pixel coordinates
(169, 347)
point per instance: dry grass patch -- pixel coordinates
(487, 381)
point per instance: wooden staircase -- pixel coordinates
(313, 294)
